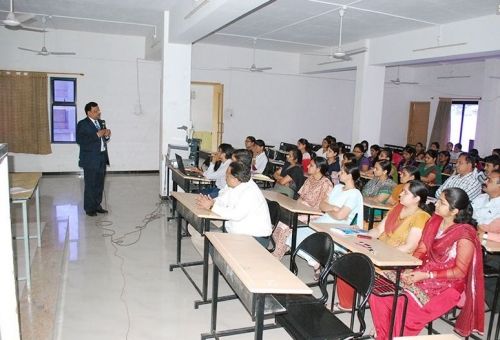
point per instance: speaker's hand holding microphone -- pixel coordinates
(107, 132)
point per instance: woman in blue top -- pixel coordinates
(345, 200)
(344, 205)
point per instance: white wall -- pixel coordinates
(201, 106)
(276, 105)
(110, 64)
(397, 99)
(9, 312)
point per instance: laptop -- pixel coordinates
(180, 166)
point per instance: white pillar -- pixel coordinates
(368, 100)
(9, 317)
(488, 116)
(176, 92)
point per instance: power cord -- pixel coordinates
(105, 225)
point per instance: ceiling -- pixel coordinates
(147, 15)
(283, 25)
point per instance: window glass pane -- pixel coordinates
(64, 123)
(64, 91)
(469, 126)
(456, 121)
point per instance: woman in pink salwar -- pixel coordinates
(451, 274)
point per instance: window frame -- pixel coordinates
(54, 103)
(463, 103)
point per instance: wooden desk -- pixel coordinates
(254, 275)
(372, 206)
(430, 337)
(199, 218)
(276, 162)
(27, 182)
(491, 247)
(265, 180)
(262, 178)
(381, 254)
(184, 182)
(290, 210)
(494, 248)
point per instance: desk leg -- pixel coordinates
(497, 333)
(205, 263)
(395, 303)
(493, 310)
(38, 223)
(26, 239)
(371, 218)
(294, 223)
(179, 238)
(259, 316)
(168, 181)
(215, 288)
(174, 202)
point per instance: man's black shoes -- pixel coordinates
(100, 210)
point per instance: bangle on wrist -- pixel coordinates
(431, 275)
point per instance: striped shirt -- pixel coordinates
(468, 183)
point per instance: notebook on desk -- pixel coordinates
(180, 166)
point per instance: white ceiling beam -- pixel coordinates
(190, 22)
(374, 12)
(306, 19)
(465, 39)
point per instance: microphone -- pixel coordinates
(103, 124)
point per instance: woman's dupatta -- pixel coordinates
(391, 224)
(471, 317)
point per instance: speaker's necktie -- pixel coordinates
(97, 125)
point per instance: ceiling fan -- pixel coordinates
(397, 81)
(15, 22)
(253, 68)
(44, 51)
(340, 54)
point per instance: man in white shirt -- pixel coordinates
(487, 206)
(242, 204)
(465, 178)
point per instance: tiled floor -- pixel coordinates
(86, 287)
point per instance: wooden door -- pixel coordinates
(207, 113)
(418, 122)
(217, 115)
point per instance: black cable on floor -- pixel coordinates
(105, 225)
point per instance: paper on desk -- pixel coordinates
(18, 190)
(348, 230)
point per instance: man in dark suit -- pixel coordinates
(92, 136)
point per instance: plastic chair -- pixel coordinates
(315, 321)
(320, 247)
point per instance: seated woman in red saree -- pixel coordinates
(451, 274)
